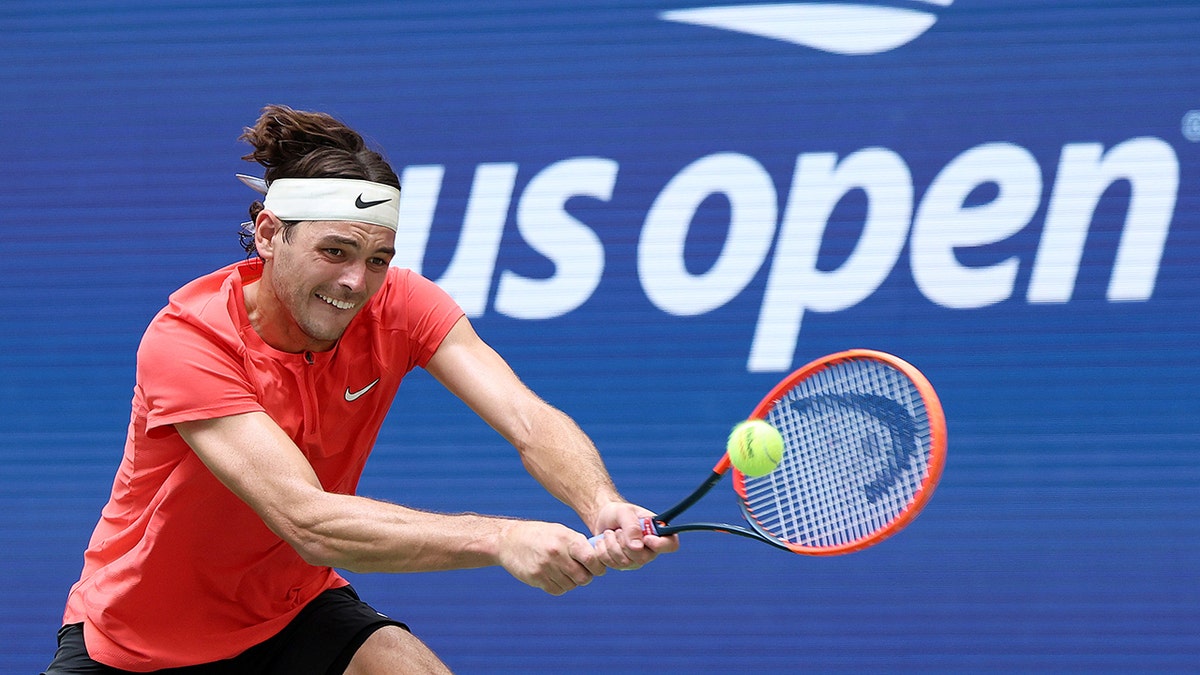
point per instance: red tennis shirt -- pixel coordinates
(179, 570)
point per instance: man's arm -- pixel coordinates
(553, 448)
(255, 459)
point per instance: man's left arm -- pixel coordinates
(553, 448)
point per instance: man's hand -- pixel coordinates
(623, 546)
(548, 556)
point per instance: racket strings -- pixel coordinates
(856, 451)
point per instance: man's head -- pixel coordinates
(326, 230)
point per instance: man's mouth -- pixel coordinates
(340, 304)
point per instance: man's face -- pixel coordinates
(322, 278)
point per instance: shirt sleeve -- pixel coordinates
(185, 374)
(428, 313)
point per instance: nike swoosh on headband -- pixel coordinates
(358, 202)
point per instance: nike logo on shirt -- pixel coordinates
(354, 395)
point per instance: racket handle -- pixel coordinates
(648, 527)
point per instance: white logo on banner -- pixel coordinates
(931, 228)
(851, 28)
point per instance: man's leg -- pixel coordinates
(391, 650)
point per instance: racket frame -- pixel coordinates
(661, 525)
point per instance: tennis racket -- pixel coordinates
(864, 443)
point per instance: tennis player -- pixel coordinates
(260, 391)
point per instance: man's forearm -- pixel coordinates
(365, 535)
(560, 456)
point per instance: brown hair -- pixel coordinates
(299, 144)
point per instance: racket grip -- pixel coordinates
(648, 527)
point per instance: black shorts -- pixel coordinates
(321, 639)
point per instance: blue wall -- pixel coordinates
(1008, 199)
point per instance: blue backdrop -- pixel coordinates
(656, 209)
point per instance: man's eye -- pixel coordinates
(335, 252)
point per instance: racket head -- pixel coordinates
(864, 447)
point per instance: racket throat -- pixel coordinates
(669, 515)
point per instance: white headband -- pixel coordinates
(330, 199)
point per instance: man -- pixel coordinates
(260, 391)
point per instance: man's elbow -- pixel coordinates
(309, 534)
(315, 551)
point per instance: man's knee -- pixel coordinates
(392, 649)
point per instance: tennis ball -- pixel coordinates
(755, 447)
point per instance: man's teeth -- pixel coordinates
(337, 303)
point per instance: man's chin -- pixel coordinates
(324, 332)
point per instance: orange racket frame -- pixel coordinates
(936, 454)
(935, 462)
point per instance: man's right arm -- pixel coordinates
(254, 458)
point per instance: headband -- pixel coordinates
(349, 199)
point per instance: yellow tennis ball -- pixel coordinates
(755, 447)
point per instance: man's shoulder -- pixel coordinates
(216, 284)
(408, 285)
(202, 306)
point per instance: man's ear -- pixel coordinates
(266, 226)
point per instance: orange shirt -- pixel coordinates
(179, 570)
